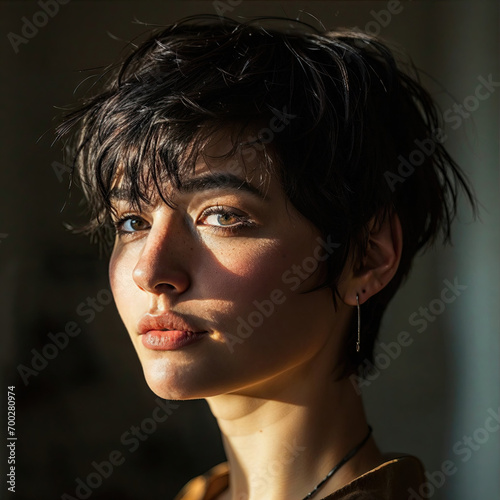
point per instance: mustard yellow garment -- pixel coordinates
(389, 481)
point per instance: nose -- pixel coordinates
(162, 266)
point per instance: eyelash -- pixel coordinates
(242, 221)
(118, 224)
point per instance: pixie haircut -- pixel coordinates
(352, 137)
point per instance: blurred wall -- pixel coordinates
(431, 399)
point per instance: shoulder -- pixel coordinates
(391, 480)
(207, 486)
(395, 478)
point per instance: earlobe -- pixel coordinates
(380, 262)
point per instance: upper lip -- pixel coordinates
(166, 321)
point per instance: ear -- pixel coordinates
(379, 264)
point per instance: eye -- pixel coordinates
(130, 224)
(222, 218)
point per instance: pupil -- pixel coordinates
(225, 218)
(135, 223)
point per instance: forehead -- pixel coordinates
(223, 158)
(219, 164)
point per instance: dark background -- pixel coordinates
(77, 407)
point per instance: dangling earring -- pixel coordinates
(358, 343)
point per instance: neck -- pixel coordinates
(281, 440)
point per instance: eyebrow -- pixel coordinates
(205, 182)
(220, 180)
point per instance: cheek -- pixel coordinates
(243, 272)
(125, 292)
(116, 274)
(254, 267)
(260, 279)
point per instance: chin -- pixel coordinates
(175, 383)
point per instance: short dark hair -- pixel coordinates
(349, 120)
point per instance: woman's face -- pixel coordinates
(209, 291)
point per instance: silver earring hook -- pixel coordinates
(358, 343)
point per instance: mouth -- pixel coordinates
(168, 332)
(170, 340)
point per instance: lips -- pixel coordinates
(168, 332)
(166, 321)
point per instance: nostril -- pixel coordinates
(168, 286)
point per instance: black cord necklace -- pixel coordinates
(339, 465)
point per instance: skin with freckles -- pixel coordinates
(211, 270)
(217, 260)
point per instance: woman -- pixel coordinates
(265, 192)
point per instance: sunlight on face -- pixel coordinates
(209, 291)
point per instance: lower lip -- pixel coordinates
(171, 340)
